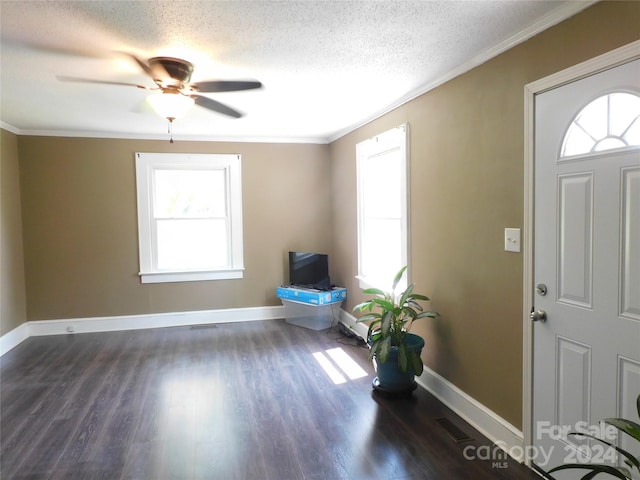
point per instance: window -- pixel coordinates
(381, 164)
(609, 122)
(189, 217)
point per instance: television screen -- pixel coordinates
(309, 270)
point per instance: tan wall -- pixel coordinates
(466, 186)
(13, 310)
(80, 231)
(80, 225)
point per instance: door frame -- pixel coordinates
(595, 65)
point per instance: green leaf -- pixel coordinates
(630, 459)
(403, 361)
(384, 304)
(410, 312)
(627, 426)
(370, 333)
(383, 351)
(415, 305)
(590, 476)
(417, 296)
(428, 314)
(386, 323)
(369, 316)
(373, 329)
(615, 471)
(373, 351)
(406, 294)
(397, 278)
(416, 363)
(374, 291)
(361, 306)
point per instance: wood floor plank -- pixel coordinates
(242, 401)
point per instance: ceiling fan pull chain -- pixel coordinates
(170, 129)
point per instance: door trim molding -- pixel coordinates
(619, 56)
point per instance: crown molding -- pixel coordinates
(163, 137)
(567, 10)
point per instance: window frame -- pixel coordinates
(146, 165)
(395, 138)
(574, 124)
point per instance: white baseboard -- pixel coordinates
(483, 419)
(490, 424)
(14, 338)
(134, 322)
(349, 321)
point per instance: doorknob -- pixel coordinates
(541, 289)
(538, 315)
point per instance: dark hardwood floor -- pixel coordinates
(237, 401)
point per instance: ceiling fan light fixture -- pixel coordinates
(170, 105)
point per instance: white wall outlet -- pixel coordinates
(511, 239)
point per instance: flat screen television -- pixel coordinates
(309, 270)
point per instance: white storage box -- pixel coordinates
(314, 317)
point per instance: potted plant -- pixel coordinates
(632, 462)
(394, 350)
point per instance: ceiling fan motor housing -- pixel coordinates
(178, 69)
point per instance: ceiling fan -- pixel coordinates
(175, 91)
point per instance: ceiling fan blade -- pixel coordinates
(57, 49)
(145, 68)
(225, 85)
(216, 106)
(156, 71)
(63, 78)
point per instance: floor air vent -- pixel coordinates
(203, 326)
(455, 433)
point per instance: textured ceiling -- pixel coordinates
(326, 66)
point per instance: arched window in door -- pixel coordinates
(609, 122)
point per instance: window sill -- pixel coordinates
(365, 282)
(192, 276)
(368, 282)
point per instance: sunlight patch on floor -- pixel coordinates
(337, 357)
(347, 364)
(335, 376)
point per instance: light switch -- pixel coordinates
(511, 239)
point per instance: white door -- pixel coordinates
(586, 355)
